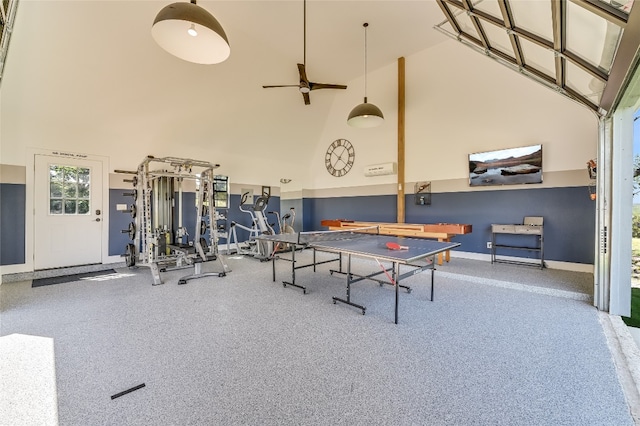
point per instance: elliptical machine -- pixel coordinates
(259, 225)
(285, 228)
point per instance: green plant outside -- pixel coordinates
(635, 246)
(634, 320)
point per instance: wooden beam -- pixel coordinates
(401, 107)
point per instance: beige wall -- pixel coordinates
(112, 102)
(12, 174)
(458, 102)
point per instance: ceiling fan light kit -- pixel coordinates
(189, 32)
(365, 114)
(305, 86)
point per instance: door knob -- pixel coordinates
(98, 220)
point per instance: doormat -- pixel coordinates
(39, 282)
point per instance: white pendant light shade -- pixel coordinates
(365, 115)
(191, 33)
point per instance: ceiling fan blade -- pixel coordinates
(303, 74)
(281, 85)
(315, 86)
(307, 101)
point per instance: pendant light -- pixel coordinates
(191, 33)
(365, 114)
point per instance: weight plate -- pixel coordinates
(130, 255)
(133, 210)
(132, 231)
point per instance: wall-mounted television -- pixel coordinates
(510, 166)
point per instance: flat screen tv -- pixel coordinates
(510, 166)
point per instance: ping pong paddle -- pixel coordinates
(396, 246)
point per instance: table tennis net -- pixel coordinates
(351, 234)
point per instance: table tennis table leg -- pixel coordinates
(273, 265)
(395, 276)
(432, 271)
(293, 273)
(349, 279)
(348, 300)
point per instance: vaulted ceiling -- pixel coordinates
(95, 63)
(89, 72)
(582, 48)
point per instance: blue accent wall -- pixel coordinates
(569, 217)
(118, 221)
(12, 226)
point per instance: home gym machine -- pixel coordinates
(159, 238)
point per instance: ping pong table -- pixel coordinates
(417, 255)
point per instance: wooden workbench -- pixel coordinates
(438, 231)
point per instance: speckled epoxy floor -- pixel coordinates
(556, 282)
(244, 350)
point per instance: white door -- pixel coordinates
(68, 212)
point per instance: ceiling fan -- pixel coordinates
(305, 86)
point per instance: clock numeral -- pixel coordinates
(331, 170)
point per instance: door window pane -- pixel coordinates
(83, 175)
(83, 190)
(55, 189)
(83, 206)
(69, 206)
(55, 173)
(69, 190)
(55, 206)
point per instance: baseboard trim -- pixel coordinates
(551, 264)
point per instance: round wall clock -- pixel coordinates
(339, 157)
